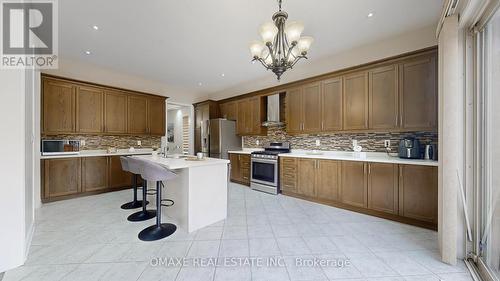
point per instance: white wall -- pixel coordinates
(15, 215)
(407, 42)
(83, 71)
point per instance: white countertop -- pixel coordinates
(95, 153)
(176, 163)
(379, 157)
(245, 150)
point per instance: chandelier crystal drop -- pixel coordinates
(282, 45)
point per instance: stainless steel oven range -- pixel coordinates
(264, 172)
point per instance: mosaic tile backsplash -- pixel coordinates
(99, 142)
(372, 142)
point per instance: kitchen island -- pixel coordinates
(199, 191)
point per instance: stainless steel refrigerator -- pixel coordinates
(218, 136)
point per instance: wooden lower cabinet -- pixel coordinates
(118, 177)
(354, 186)
(65, 178)
(405, 193)
(306, 178)
(328, 179)
(311, 177)
(61, 177)
(418, 192)
(383, 187)
(240, 168)
(288, 174)
(94, 173)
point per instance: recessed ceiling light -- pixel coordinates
(95, 27)
(87, 52)
(223, 75)
(370, 15)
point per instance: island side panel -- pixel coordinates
(207, 195)
(177, 190)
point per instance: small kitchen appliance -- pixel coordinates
(264, 167)
(409, 148)
(60, 147)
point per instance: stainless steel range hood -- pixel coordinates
(273, 111)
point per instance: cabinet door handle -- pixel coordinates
(364, 168)
(322, 125)
(369, 168)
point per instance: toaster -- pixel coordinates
(409, 148)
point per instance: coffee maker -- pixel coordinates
(409, 148)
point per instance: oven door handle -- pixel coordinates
(265, 161)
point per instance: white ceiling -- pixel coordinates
(183, 43)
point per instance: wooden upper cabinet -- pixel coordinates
(228, 110)
(257, 108)
(311, 111)
(306, 180)
(251, 114)
(328, 180)
(354, 188)
(355, 100)
(331, 95)
(89, 110)
(156, 116)
(94, 173)
(231, 111)
(383, 187)
(418, 192)
(241, 123)
(58, 107)
(115, 112)
(137, 115)
(418, 93)
(294, 110)
(61, 177)
(247, 110)
(383, 98)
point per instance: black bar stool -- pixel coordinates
(134, 204)
(135, 166)
(154, 172)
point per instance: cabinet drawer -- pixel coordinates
(289, 186)
(288, 160)
(288, 176)
(245, 174)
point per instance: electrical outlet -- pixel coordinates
(257, 142)
(387, 143)
(139, 143)
(82, 142)
(354, 143)
(318, 142)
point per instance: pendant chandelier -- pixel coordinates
(281, 46)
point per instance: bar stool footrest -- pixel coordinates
(169, 203)
(151, 191)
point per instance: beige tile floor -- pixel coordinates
(90, 239)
